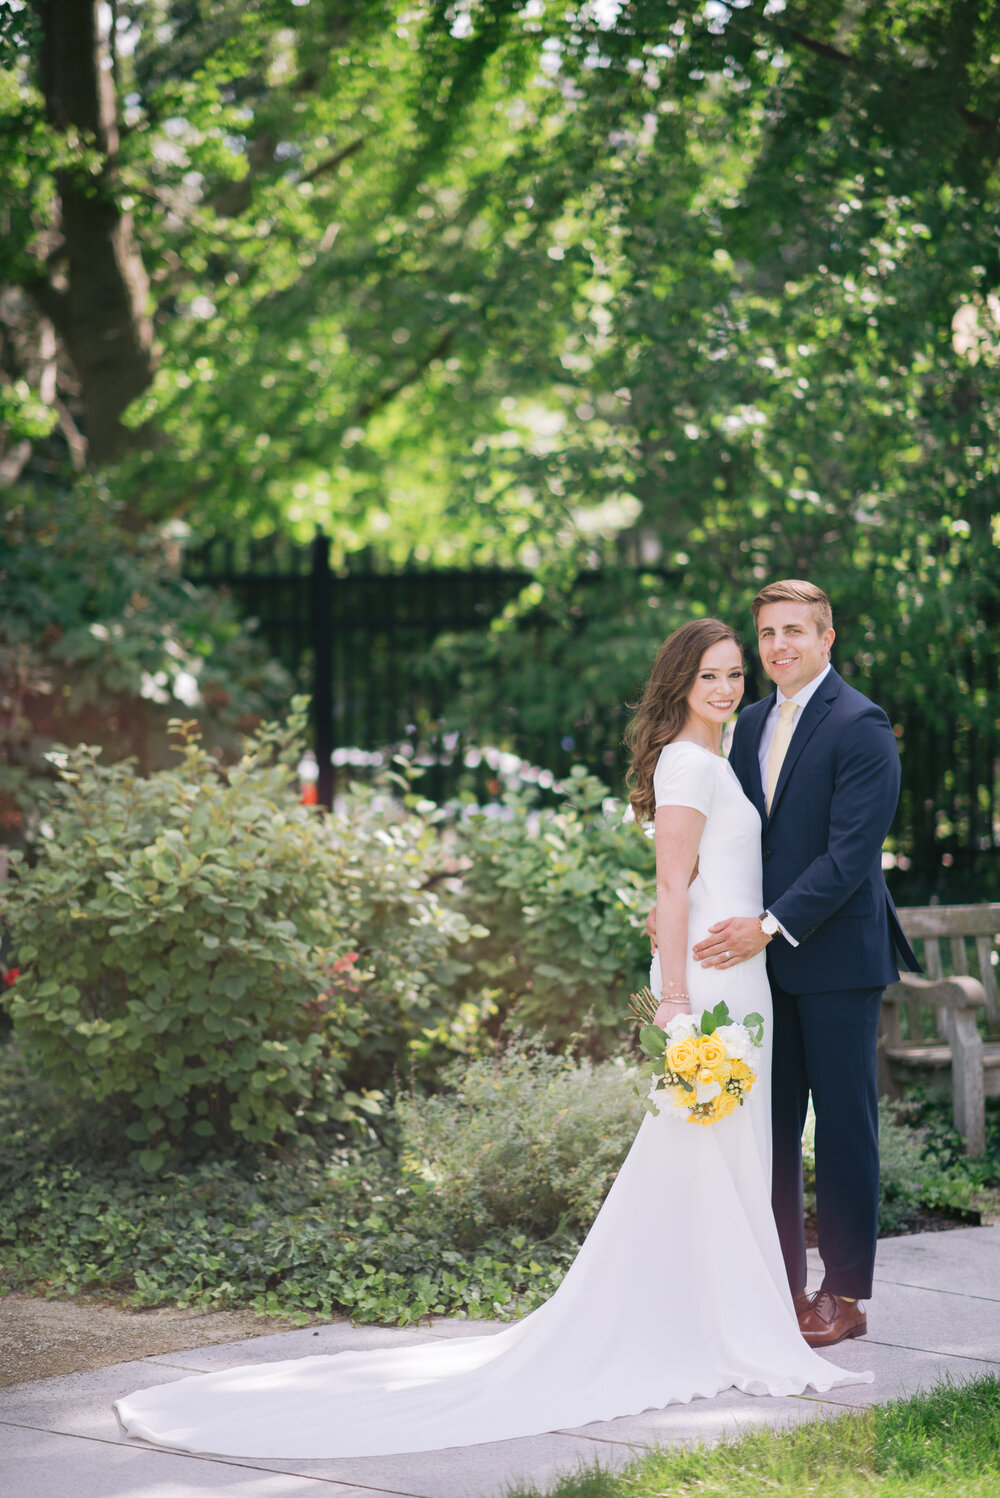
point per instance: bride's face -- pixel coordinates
(717, 689)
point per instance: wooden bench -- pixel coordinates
(933, 1027)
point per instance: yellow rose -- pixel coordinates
(705, 1076)
(711, 1051)
(725, 1104)
(682, 1056)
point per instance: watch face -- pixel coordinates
(769, 925)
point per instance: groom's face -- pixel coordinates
(793, 649)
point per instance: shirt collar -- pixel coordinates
(803, 695)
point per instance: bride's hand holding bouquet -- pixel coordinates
(706, 1067)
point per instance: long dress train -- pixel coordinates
(679, 1290)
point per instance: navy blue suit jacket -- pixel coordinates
(822, 843)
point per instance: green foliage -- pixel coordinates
(507, 284)
(184, 965)
(923, 1166)
(571, 652)
(953, 1430)
(295, 1234)
(564, 892)
(526, 1141)
(938, 1444)
(102, 641)
(394, 888)
(291, 1239)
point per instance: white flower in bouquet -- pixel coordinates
(682, 1027)
(737, 1041)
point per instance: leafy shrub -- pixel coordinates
(531, 1141)
(184, 967)
(564, 892)
(102, 641)
(395, 890)
(919, 1172)
(925, 1168)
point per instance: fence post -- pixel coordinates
(322, 693)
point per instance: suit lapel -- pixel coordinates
(756, 718)
(813, 714)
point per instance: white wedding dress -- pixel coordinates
(679, 1290)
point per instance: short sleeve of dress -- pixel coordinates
(685, 776)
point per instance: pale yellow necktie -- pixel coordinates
(779, 748)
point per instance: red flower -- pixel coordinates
(10, 975)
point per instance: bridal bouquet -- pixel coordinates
(706, 1067)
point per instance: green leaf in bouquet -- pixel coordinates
(652, 1040)
(755, 1024)
(713, 1018)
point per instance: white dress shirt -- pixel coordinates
(801, 697)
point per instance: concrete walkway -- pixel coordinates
(935, 1315)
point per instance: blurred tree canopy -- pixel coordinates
(506, 277)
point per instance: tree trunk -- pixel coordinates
(100, 303)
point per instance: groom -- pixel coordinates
(819, 762)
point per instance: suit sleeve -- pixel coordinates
(866, 789)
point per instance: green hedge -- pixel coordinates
(203, 960)
(564, 892)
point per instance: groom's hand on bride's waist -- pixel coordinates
(731, 942)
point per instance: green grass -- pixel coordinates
(942, 1444)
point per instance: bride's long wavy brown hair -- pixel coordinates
(662, 710)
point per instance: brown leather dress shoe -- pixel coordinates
(802, 1301)
(830, 1319)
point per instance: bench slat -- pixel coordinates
(988, 977)
(932, 959)
(959, 956)
(945, 920)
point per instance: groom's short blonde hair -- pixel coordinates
(796, 590)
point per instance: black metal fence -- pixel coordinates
(354, 640)
(358, 641)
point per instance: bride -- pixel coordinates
(679, 1290)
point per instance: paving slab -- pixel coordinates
(304, 1342)
(965, 1261)
(727, 1415)
(899, 1372)
(37, 1464)
(488, 1470)
(935, 1316)
(935, 1321)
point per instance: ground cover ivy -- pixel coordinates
(323, 1229)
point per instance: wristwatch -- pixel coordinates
(768, 923)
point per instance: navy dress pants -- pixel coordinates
(825, 1043)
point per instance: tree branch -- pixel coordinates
(13, 463)
(389, 392)
(333, 162)
(981, 123)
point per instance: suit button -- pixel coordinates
(766, 853)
